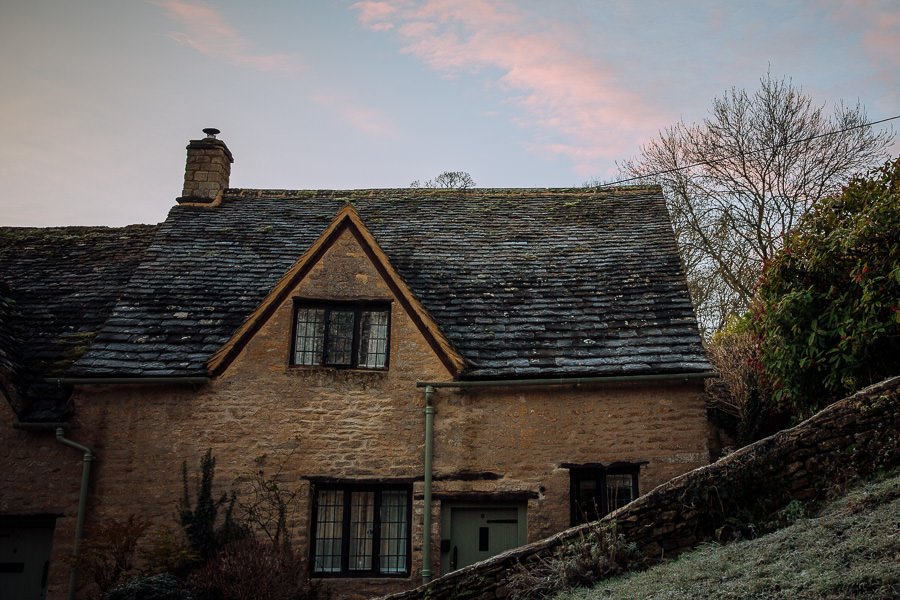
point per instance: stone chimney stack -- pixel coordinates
(208, 168)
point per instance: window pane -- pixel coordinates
(362, 525)
(340, 338)
(329, 531)
(588, 502)
(393, 531)
(310, 332)
(373, 331)
(619, 490)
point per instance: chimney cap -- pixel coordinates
(211, 132)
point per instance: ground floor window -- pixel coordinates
(596, 491)
(361, 530)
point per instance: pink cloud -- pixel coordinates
(883, 38)
(375, 15)
(575, 104)
(207, 32)
(878, 22)
(362, 118)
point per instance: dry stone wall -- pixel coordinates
(810, 462)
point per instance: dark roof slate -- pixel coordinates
(522, 282)
(10, 350)
(59, 286)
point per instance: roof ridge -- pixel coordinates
(635, 190)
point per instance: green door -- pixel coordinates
(479, 532)
(24, 557)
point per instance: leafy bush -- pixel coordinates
(107, 556)
(261, 562)
(740, 400)
(827, 307)
(167, 551)
(249, 555)
(151, 587)
(251, 569)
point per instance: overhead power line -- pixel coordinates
(763, 149)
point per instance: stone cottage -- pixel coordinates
(440, 374)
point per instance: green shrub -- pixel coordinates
(249, 555)
(827, 307)
(151, 587)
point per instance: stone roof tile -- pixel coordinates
(522, 282)
(64, 282)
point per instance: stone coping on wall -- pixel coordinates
(809, 462)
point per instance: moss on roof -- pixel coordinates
(64, 282)
(530, 282)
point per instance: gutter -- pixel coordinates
(431, 386)
(38, 425)
(199, 380)
(575, 381)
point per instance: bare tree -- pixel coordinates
(737, 181)
(457, 180)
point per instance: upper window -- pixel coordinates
(597, 491)
(361, 530)
(341, 334)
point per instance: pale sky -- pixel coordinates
(98, 98)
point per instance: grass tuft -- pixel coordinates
(850, 550)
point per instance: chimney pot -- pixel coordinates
(211, 132)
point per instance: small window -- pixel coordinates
(346, 335)
(361, 530)
(596, 491)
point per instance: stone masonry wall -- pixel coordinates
(40, 476)
(810, 462)
(207, 169)
(353, 425)
(264, 414)
(527, 435)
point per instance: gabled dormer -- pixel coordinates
(338, 298)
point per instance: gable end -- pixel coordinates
(347, 219)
